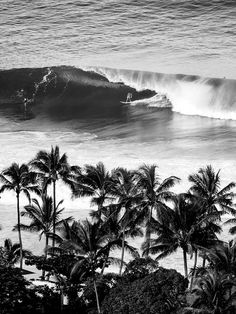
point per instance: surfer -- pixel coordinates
(28, 101)
(129, 97)
(25, 103)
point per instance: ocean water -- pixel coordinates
(74, 62)
(173, 36)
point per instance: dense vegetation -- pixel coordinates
(128, 204)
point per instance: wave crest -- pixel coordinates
(70, 92)
(189, 95)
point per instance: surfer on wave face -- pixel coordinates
(129, 97)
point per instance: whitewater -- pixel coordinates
(66, 67)
(191, 95)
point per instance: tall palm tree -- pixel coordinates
(42, 218)
(21, 180)
(204, 237)
(88, 244)
(154, 193)
(125, 189)
(179, 229)
(206, 187)
(95, 181)
(109, 226)
(117, 225)
(53, 166)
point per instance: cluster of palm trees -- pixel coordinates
(128, 204)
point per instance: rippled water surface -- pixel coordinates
(184, 36)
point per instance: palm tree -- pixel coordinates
(90, 242)
(204, 237)
(222, 257)
(179, 229)
(207, 189)
(12, 252)
(125, 189)
(154, 193)
(109, 226)
(20, 179)
(96, 183)
(117, 225)
(53, 166)
(231, 221)
(42, 217)
(213, 292)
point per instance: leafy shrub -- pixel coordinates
(160, 292)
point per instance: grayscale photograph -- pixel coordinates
(118, 157)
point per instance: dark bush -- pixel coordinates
(160, 292)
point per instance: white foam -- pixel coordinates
(190, 96)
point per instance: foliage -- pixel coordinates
(11, 252)
(222, 257)
(154, 193)
(128, 203)
(206, 186)
(52, 166)
(214, 292)
(104, 284)
(18, 296)
(94, 182)
(139, 268)
(19, 179)
(13, 290)
(59, 264)
(160, 292)
(3, 257)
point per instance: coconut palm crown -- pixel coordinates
(21, 180)
(154, 195)
(53, 166)
(206, 186)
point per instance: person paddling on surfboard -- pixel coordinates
(129, 97)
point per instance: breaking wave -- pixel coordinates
(67, 92)
(64, 92)
(189, 95)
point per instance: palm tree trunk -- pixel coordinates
(104, 265)
(148, 233)
(194, 270)
(123, 251)
(100, 206)
(19, 230)
(46, 255)
(185, 263)
(204, 261)
(96, 293)
(54, 213)
(46, 245)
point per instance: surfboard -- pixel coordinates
(126, 102)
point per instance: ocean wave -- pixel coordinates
(69, 92)
(64, 92)
(188, 94)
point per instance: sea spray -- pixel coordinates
(189, 95)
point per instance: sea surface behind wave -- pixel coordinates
(169, 36)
